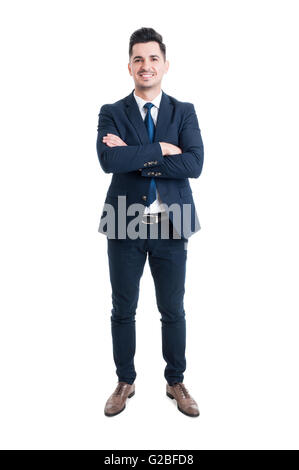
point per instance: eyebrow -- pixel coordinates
(140, 56)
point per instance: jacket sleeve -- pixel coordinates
(187, 164)
(123, 159)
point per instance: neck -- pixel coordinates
(147, 94)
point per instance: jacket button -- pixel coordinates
(144, 198)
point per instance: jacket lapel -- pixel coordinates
(164, 117)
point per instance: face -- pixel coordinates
(147, 65)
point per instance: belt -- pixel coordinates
(152, 218)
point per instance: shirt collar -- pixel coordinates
(141, 102)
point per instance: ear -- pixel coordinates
(166, 66)
(129, 68)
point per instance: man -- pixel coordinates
(152, 144)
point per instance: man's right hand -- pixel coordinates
(169, 149)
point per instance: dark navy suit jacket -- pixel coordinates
(133, 165)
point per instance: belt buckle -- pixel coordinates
(150, 215)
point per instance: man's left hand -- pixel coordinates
(113, 140)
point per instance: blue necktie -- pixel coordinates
(151, 131)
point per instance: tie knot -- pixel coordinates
(148, 105)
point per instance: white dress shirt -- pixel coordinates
(157, 205)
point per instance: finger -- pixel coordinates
(112, 138)
(112, 135)
(115, 141)
(108, 136)
(120, 141)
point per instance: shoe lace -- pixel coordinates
(119, 388)
(182, 390)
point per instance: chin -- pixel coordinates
(146, 84)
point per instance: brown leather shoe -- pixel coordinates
(186, 404)
(117, 401)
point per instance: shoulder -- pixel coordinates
(109, 108)
(116, 106)
(184, 105)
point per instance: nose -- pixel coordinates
(147, 65)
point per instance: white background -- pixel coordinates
(237, 62)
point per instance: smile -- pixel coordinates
(147, 75)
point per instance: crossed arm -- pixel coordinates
(170, 161)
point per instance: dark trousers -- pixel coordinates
(167, 260)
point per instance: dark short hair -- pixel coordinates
(147, 35)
